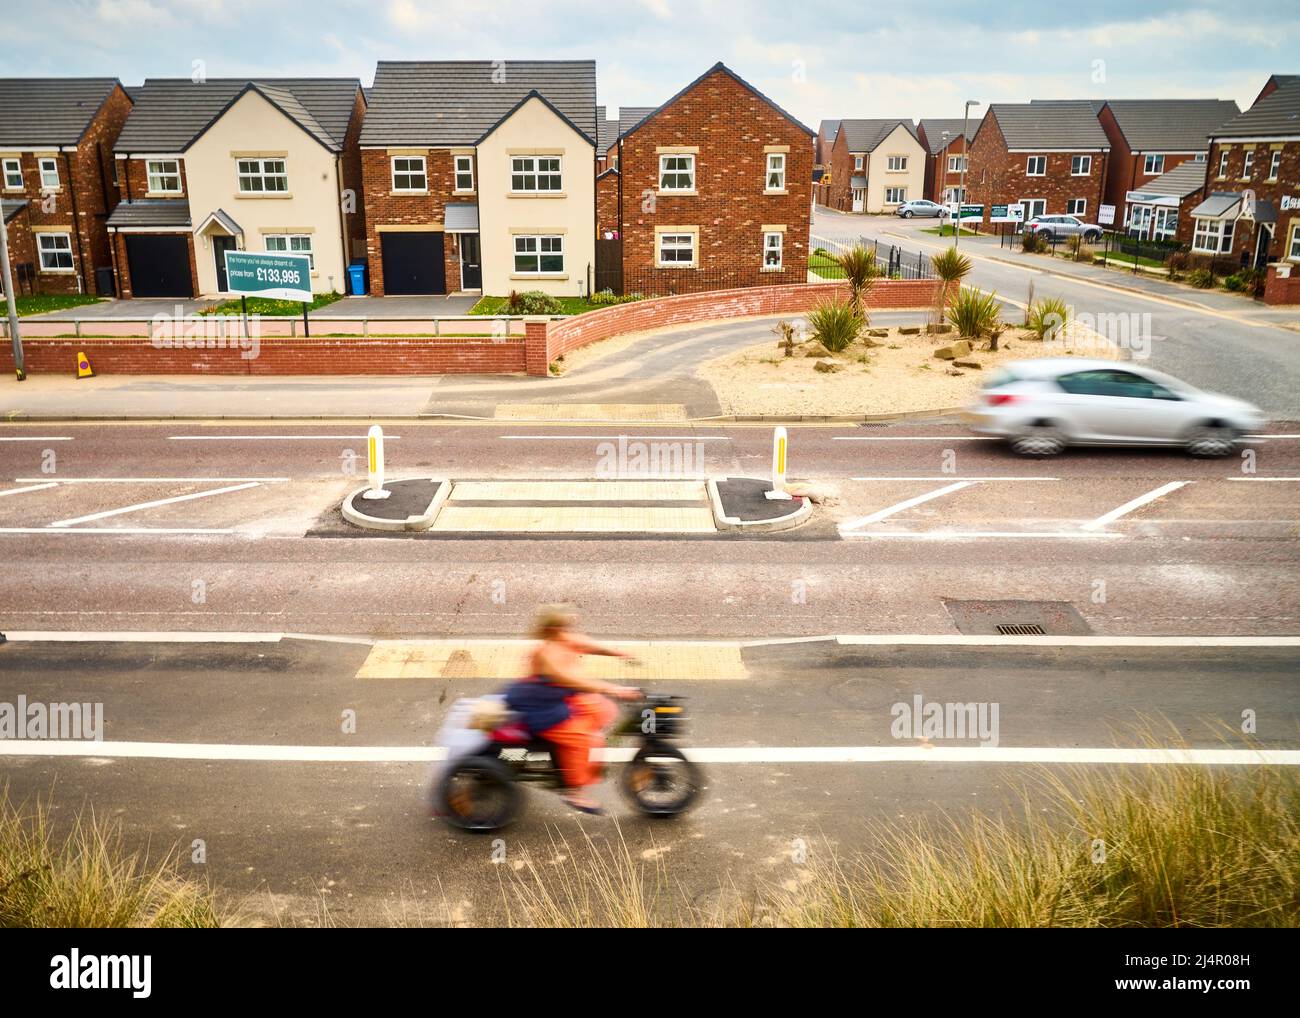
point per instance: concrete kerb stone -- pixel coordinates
(417, 521)
(768, 526)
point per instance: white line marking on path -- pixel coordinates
(152, 480)
(615, 438)
(137, 635)
(1137, 503)
(1263, 478)
(274, 438)
(912, 438)
(154, 504)
(720, 754)
(898, 507)
(965, 535)
(963, 640)
(115, 530)
(34, 487)
(949, 477)
(36, 438)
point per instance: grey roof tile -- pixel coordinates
(828, 129)
(151, 212)
(934, 129)
(1170, 125)
(865, 135)
(1276, 115)
(1050, 125)
(630, 116)
(49, 111)
(1182, 180)
(170, 112)
(453, 102)
(11, 207)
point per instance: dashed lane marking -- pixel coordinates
(1133, 504)
(152, 480)
(35, 438)
(275, 438)
(33, 487)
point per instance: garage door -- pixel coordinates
(159, 266)
(413, 263)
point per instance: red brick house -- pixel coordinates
(236, 164)
(1249, 212)
(1151, 137)
(945, 144)
(56, 154)
(1049, 157)
(822, 146)
(715, 191)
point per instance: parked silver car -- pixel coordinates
(1058, 227)
(1042, 406)
(919, 207)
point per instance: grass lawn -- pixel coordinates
(946, 230)
(824, 265)
(1128, 259)
(568, 306)
(273, 308)
(38, 304)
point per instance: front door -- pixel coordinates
(220, 245)
(1263, 236)
(859, 199)
(471, 267)
(1140, 223)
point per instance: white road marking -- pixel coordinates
(274, 438)
(35, 438)
(154, 504)
(153, 480)
(898, 507)
(115, 530)
(912, 438)
(718, 755)
(615, 438)
(1137, 503)
(33, 487)
(949, 477)
(964, 535)
(1263, 478)
(1094, 640)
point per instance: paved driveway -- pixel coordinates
(397, 307)
(140, 307)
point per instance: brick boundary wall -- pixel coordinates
(1282, 289)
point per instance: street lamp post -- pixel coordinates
(6, 281)
(965, 158)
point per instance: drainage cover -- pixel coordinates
(1017, 618)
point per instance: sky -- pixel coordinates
(836, 58)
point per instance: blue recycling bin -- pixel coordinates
(357, 275)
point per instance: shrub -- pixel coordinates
(603, 298)
(974, 313)
(1244, 281)
(533, 302)
(835, 325)
(1047, 317)
(1032, 243)
(1177, 264)
(1202, 279)
(1078, 248)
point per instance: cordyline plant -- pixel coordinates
(974, 313)
(860, 269)
(951, 266)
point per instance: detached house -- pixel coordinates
(945, 142)
(875, 166)
(715, 191)
(1151, 137)
(1250, 204)
(1049, 157)
(479, 176)
(229, 164)
(56, 154)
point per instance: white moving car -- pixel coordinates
(1042, 406)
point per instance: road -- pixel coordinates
(1228, 345)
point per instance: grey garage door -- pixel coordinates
(413, 263)
(159, 265)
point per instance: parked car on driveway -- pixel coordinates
(1042, 406)
(919, 207)
(1056, 227)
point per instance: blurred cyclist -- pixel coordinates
(563, 707)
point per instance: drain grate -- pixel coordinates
(1021, 629)
(873, 424)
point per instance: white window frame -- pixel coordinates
(857, 163)
(901, 192)
(543, 245)
(1223, 164)
(410, 172)
(1085, 162)
(955, 163)
(896, 164)
(1076, 207)
(49, 165)
(1221, 235)
(467, 171)
(1293, 244)
(1032, 161)
(526, 170)
(1153, 164)
(262, 173)
(1248, 164)
(304, 245)
(688, 170)
(161, 174)
(56, 250)
(775, 167)
(676, 236)
(778, 248)
(1275, 164)
(14, 166)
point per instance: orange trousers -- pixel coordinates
(574, 739)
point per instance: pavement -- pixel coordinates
(239, 746)
(348, 307)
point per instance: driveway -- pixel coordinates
(140, 307)
(397, 307)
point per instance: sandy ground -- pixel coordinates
(901, 375)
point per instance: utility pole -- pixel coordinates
(12, 305)
(965, 158)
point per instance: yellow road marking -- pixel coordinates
(503, 660)
(572, 519)
(577, 491)
(590, 411)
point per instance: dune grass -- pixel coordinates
(86, 878)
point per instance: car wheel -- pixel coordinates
(1211, 439)
(1092, 237)
(1046, 235)
(1039, 440)
(907, 213)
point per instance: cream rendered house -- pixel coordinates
(885, 165)
(536, 202)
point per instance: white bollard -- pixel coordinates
(375, 458)
(779, 446)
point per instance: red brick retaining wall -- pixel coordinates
(1282, 289)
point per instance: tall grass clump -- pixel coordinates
(836, 325)
(974, 313)
(1047, 317)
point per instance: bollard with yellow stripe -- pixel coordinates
(375, 463)
(779, 443)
